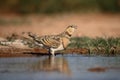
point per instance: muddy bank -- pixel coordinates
(20, 52)
(29, 52)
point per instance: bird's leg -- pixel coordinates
(49, 51)
(52, 51)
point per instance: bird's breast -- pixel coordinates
(65, 42)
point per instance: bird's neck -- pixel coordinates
(65, 34)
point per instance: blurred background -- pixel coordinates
(58, 6)
(93, 17)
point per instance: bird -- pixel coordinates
(54, 42)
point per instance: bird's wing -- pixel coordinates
(50, 41)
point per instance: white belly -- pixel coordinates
(60, 47)
(57, 49)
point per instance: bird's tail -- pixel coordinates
(30, 34)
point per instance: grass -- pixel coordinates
(97, 46)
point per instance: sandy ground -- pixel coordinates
(91, 25)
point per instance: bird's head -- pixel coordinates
(70, 29)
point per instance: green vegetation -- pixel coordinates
(100, 46)
(56, 6)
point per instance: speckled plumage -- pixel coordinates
(54, 42)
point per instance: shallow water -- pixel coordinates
(67, 67)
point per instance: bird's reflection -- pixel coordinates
(52, 64)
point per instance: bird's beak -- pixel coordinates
(75, 27)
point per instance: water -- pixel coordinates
(65, 67)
